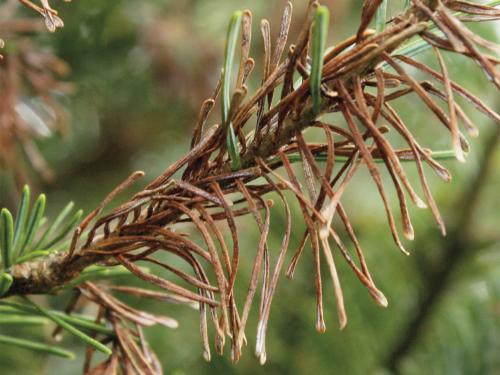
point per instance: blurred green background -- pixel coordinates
(141, 70)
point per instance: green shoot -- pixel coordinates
(71, 329)
(36, 346)
(381, 17)
(33, 222)
(231, 43)
(6, 238)
(319, 34)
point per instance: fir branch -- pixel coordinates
(220, 185)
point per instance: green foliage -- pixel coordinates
(36, 346)
(17, 244)
(22, 216)
(16, 319)
(80, 321)
(320, 32)
(61, 226)
(71, 329)
(6, 238)
(28, 233)
(381, 17)
(33, 255)
(100, 273)
(466, 339)
(5, 283)
(233, 31)
(17, 238)
(31, 314)
(232, 147)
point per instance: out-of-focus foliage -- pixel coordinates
(141, 69)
